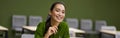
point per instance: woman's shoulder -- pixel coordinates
(41, 24)
(63, 24)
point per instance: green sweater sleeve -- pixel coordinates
(40, 30)
(66, 31)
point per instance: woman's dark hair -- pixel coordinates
(53, 5)
(48, 20)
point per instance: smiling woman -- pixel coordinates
(54, 27)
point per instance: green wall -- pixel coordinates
(108, 10)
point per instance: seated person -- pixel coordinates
(54, 27)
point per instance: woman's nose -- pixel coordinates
(60, 13)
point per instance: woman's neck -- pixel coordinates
(54, 23)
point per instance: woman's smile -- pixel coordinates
(59, 17)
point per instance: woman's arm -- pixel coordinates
(66, 31)
(46, 36)
(40, 30)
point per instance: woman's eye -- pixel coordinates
(63, 12)
(57, 10)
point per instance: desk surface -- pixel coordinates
(109, 32)
(76, 30)
(3, 28)
(33, 28)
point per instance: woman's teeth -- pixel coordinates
(58, 18)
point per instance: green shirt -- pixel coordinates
(63, 31)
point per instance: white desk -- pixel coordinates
(113, 33)
(76, 30)
(4, 29)
(76, 33)
(108, 32)
(31, 28)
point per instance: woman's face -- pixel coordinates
(58, 13)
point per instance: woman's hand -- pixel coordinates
(51, 30)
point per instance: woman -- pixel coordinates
(54, 27)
